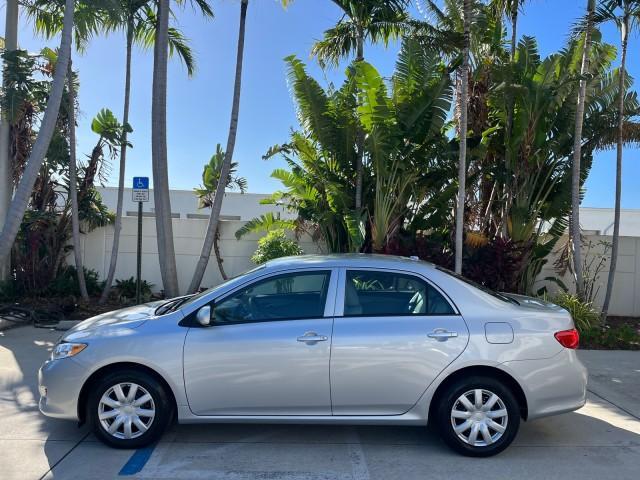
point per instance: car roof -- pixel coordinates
(349, 260)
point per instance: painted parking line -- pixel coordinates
(137, 461)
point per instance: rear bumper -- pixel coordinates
(552, 386)
(59, 383)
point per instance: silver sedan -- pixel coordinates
(342, 339)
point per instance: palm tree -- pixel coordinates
(216, 206)
(510, 8)
(164, 227)
(6, 187)
(89, 19)
(138, 20)
(372, 20)
(462, 159)
(73, 185)
(162, 202)
(20, 200)
(206, 194)
(628, 18)
(577, 151)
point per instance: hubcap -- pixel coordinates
(479, 417)
(126, 410)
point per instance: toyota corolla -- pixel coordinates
(340, 339)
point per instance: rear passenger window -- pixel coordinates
(371, 293)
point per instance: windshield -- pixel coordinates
(493, 293)
(174, 303)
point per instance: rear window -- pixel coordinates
(487, 290)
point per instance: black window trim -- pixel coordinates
(191, 322)
(456, 311)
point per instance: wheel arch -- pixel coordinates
(481, 370)
(114, 367)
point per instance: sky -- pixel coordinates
(199, 108)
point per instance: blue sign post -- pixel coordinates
(140, 194)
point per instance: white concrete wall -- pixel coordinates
(184, 203)
(625, 300)
(188, 236)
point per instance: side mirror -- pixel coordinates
(204, 316)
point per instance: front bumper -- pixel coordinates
(59, 384)
(552, 386)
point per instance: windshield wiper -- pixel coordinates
(171, 305)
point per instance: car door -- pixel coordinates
(267, 349)
(393, 334)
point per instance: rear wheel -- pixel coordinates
(478, 416)
(128, 409)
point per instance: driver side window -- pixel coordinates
(283, 297)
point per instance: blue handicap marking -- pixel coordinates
(137, 461)
(141, 183)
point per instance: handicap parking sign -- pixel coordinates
(140, 192)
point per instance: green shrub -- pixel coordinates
(66, 282)
(275, 244)
(613, 337)
(584, 315)
(126, 288)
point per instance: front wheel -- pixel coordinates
(128, 409)
(478, 416)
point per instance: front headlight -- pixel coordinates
(64, 350)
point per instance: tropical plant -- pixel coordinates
(20, 200)
(127, 288)
(206, 194)
(275, 244)
(138, 20)
(211, 176)
(362, 21)
(625, 14)
(410, 156)
(574, 229)
(66, 282)
(216, 206)
(584, 315)
(88, 19)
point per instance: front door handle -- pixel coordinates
(442, 335)
(311, 338)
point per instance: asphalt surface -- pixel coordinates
(602, 440)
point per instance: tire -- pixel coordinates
(496, 422)
(141, 414)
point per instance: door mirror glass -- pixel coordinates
(204, 316)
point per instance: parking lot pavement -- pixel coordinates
(602, 440)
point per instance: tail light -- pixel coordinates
(568, 338)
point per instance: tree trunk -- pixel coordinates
(6, 162)
(216, 251)
(117, 228)
(20, 200)
(218, 195)
(73, 186)
(162, 202)
(509, 123)
(577, 152)
(359, 133)
(462, 160)
(616, 218)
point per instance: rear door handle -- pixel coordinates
(311, 338)
(442, 335)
